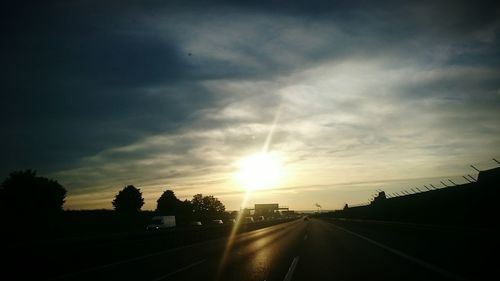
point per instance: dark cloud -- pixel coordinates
(74, 84)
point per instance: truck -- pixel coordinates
(161, 222)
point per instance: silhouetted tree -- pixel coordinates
(213, 205)
(24, 192)
(207, 206)
(197, 204)
(168, 204)
(185, 212)
(186, 208)
(128, 200)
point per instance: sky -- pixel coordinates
(350, 96)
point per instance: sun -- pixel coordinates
(260, 171)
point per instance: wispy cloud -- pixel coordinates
(174, 95)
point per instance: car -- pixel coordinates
(196, 223)
(217, 222)
(248, 219)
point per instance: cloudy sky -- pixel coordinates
(351, 96)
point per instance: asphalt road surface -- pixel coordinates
(312, 249)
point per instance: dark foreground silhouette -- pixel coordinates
(445, 234)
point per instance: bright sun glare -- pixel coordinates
(260, 171)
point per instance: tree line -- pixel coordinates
(23, 192)
(129, 200)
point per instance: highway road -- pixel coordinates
(314, 249)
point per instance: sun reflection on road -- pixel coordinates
(232, 235)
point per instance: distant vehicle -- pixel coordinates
(259, 218)
(306, 218)
(217, 222)
(248, 219)
(161, 222)
(196, 223)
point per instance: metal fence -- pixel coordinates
(438, 183)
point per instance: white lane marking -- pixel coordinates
(305, 237)
(289, 274)
(403, 255)
(180, 269)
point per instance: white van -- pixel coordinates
(160, 222)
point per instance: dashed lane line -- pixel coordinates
(289, 274)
